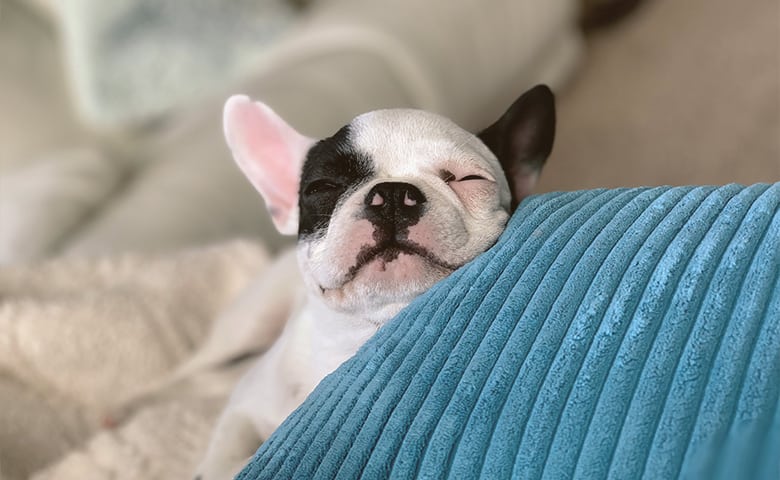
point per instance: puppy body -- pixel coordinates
(313, 343)
(383, 209)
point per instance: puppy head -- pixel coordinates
(395, 200)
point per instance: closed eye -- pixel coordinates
(320, 186)
(472, 177)
(449, 177)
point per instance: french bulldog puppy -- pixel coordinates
(390, 204)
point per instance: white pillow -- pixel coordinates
(43, 201)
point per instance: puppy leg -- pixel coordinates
(234, 441)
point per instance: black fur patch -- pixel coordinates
(333, 168)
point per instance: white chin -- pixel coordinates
(402, 269)
(382, 285)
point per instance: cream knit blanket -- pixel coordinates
(78, 336)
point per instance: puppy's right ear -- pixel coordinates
(270, 153)
(522, 139)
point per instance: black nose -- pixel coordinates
(395, 204)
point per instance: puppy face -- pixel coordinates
(394, 201)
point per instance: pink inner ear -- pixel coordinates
(270, 153)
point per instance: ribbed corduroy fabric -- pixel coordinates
(627, 333)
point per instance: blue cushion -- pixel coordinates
(616, 333)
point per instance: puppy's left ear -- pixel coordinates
(270, 153)
(522, 139)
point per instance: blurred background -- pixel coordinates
(111, 142)
(110, 136)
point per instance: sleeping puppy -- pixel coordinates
(386, 207)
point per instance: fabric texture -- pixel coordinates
(131, 59)
(627, 333)
(43, 201)
(78, 336)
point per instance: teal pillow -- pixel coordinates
(609, 333)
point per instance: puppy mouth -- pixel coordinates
(389, 251)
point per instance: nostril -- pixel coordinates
(412, 196)
(376, 200)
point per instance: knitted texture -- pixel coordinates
(619, 333)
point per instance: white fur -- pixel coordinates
(332, 314)
(461, 220)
